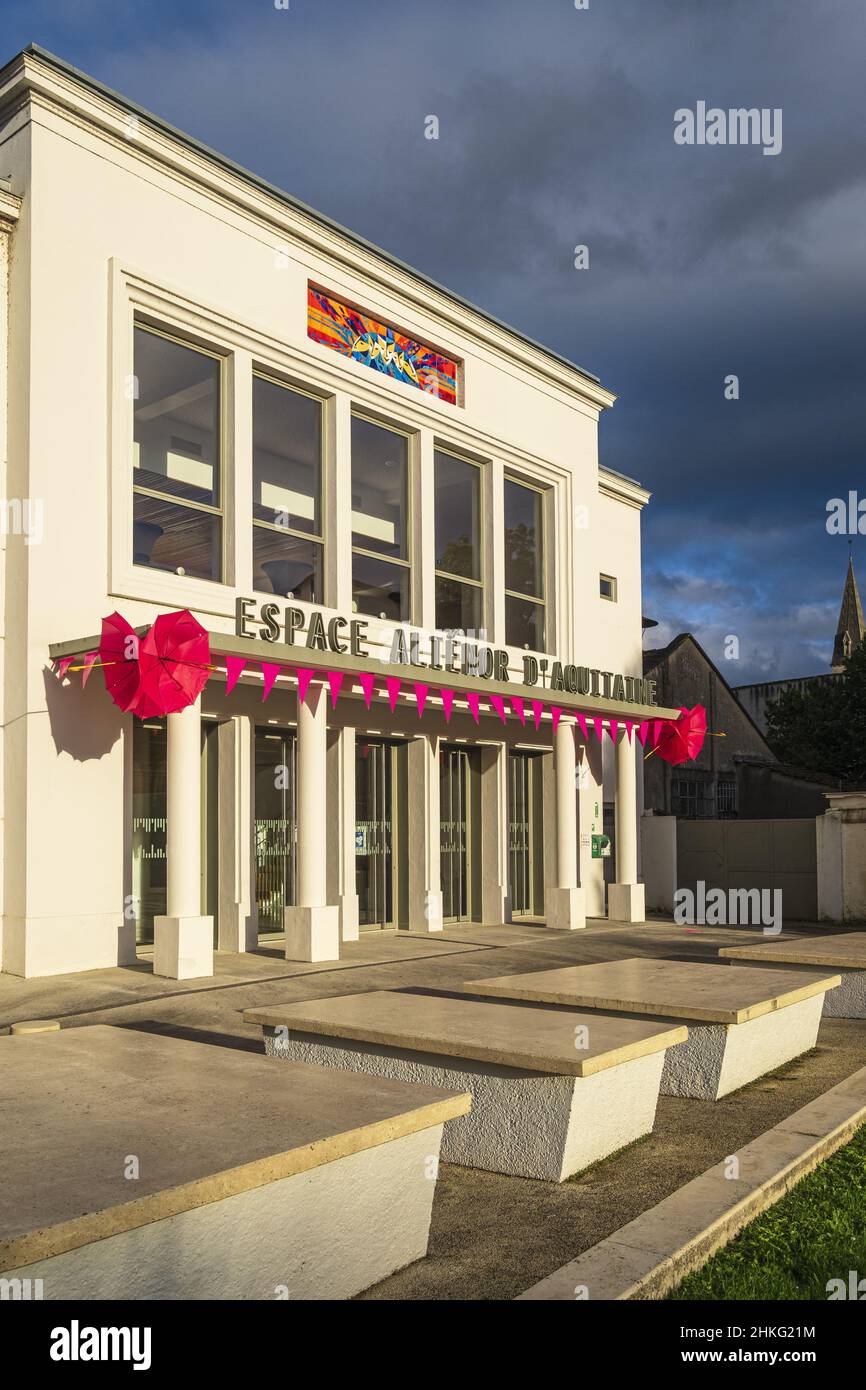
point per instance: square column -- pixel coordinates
(238, 928)
(590, 821)
(342, 883)
(495, 902)
(625, 899)
(565, 908)
(183, 938)
(423, 850)
(312, 927)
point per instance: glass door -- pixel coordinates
(275, 826)
(454, 803)
(525, 852)
(374, 809)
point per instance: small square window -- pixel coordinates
(607, 587)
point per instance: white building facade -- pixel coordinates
(214, 399)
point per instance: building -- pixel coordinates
(217, 400)
(734, 777)
(850, 632)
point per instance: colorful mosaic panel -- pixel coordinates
(377, 345)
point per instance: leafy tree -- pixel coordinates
(823, 728)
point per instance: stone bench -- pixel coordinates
(552, 1092)
(741, 1023)
(844, 953)
(146, 1167)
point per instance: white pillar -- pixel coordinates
(423, 851)
(590, 822)
(312, 927)
(565, 908)
(625, 899)
(342, 885)
(183, 938)
(495, 903)
(238, 912)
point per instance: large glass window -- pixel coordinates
(459, 592)
(380, 521)
(177, 495)
(524, 566)
(287, 492)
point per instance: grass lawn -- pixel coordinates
(815, 1233)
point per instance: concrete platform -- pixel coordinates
(844, 952)
(552, 1091)
(741, 1022)
(146, 1167)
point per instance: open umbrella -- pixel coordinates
(682, 738)
(118, 657)
(174, 663)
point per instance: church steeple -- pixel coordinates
(852, 627)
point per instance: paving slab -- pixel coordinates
(845, 951)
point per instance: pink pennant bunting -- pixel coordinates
(556, 715)
(581, 719)
(421, 692)
(643, 730)
(304, 675)
(234, 670)
(658, 725)
(335, 682)
(393, 684)
(270, 671)
(447, 702)
(87, 667)
(366, 680)
(499, 705)
(518, 707)
(613, 729)
(629, 725)
(598, 725)
(63, 666)
(537, 711)
(472, 698)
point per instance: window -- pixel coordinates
(287, 492)
(692, 798)
(177, 502)
(459, 591)
(607, 587)
(726, 798)
(380, 521)
(524, 566)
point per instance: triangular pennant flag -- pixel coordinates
(658, 725)
(499, 705)
(421, 692)
(63, 666)
(517, 706)
(537, 711)
(643, 730)
(472, 698)
(393, 684)
(304, 675)
(598, 725)
(629, 725)
(556, 715)
(366, 680)
(613, 729)
(581, 719)
(335, 681)
(447, 702)
(234, 670)
(270, 671)
(87, 667)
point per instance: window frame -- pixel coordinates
(482, 531)
(613, 596)
(357, 413)
(140, 325)
(541, 601)
(320, 539)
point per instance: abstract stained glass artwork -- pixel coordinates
(358, 335)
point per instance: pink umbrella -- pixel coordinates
(682, 739)
(174, 661)
(118, 656)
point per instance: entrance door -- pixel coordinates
(525, 853)
(374, 813)
(458, 815)
(275, 826)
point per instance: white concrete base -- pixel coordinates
(183, 947)
(625, 902)
(721, 1057)
(326, 1233)
(238, 928)
(847, 1000)
(348, 905)
(565, 909)
(312, 933)
(529, 1124)
(433, 919)
(64, 945)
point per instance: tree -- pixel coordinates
(823, 727)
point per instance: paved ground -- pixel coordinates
(492, 1236)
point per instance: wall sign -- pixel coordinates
(447, 652)
(360, 336)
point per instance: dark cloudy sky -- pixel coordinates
(556, 128)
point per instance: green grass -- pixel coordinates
(815, 1233)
